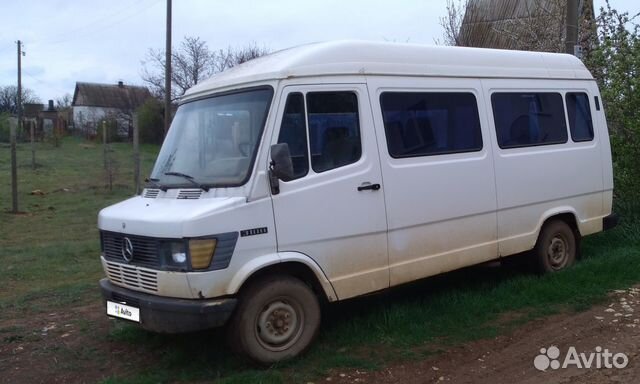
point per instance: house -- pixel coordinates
(46, 120)
(93, 103)
(518, 24)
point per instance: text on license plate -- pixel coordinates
(123, 311)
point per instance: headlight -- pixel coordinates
(201, 251)
(173, 255)
(178, 254)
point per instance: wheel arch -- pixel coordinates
(566, 214)
(293, 264)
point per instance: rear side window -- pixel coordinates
(579, 112)
(334, 129)
(293, 131)
(423, 124)
(528, 119)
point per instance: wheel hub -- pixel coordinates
(557, 251)
(278, 325)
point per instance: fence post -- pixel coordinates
(136, 154)
(104, 143)
(14, 169)
(33, 145)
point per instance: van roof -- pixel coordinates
(396, 59)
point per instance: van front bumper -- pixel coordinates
(171, 315)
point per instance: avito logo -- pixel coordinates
(601, 358)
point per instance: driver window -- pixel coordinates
(293, 131)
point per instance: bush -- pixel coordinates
(5, 130)
(112, 130)
(151, 122)
(614, 60)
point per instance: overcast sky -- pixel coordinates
(105, 41)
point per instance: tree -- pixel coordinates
(452, 22)
(9, 98)
(64, 102)
(150, 122)
(613, 57)
(230, 57)
(191, 63)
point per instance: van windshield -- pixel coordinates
(213, 141)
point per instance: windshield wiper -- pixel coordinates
(189, 178)
(155, 183)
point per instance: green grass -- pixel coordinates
(52, 245)
(49, 258)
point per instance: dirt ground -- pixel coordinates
(54, 349)
(510, 358)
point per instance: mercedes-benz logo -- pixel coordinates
(127, 250)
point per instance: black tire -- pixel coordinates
(277, 318)
(556, 248)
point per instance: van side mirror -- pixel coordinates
(281, 166)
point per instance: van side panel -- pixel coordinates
(537, 182)
(440, 208)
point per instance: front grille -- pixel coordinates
(145, 249)
(132, 277)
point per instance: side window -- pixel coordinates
(293, 131)
(334, 129)
(423, 124)
(579, 112)
(528, 119)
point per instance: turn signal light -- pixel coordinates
(201, 252)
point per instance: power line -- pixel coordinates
(97, 29)
(65, 35)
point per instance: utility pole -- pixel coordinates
(571, 27)
(14, 166)
(167, 73)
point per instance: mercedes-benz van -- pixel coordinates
(332, 170)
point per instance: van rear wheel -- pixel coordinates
(277, 319)
(556, 247)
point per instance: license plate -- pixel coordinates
(123, 311)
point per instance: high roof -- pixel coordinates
(381, 58)
(119, 96)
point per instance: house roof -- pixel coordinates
(394, 59)
(492, 23)
(120, 96)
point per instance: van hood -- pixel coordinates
(165, 218)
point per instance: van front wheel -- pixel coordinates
(556, 247)
(277, 319)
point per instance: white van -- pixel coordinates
(332, 170)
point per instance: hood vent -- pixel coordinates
(151, 193)
(190, 194)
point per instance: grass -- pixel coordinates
(49, 258)
(51, 246)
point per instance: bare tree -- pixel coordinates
(9, 97)
(452, 22)
(64, 102)
(230, 57)
(192, 62)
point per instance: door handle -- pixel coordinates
(370, 187)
